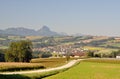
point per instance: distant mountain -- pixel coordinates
(20, 31)
(44, 31)
(77, 34)
(2, 32)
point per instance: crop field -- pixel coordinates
(33, 37)
(45, 62)
(2, 39)
(93, 48)
(38, 63)
(93, 69)
(3, 47)
(50, 62)
(19, 66)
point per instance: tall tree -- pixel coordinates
(20, 51)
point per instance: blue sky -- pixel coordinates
(94, 17)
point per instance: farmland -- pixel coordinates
(93, 48)
(57, 47)
(50, 62)
(19, 66)
(87, 69)
(91, 70)
(37, 75)
(38, 63)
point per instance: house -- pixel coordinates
(118, 56)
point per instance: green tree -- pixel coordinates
(46, 54)
(25, 51)
(90, 54)
(20, 51)
(2, 59)
(9, 56)
(115, 53)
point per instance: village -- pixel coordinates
(63, 51)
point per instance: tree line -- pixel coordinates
(113, 54)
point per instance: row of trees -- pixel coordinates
(41, 54)
(20, 51)
(109, 54)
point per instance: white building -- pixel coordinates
(118, 56)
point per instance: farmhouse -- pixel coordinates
(118, 56)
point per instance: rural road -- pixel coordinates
(70, 64)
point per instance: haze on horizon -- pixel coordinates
(93, 17)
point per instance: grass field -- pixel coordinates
(116, 45)
(111, 44)
(104, 60)
(91, 70)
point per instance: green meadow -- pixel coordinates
(91, 70)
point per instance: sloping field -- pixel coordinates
(91, 70)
